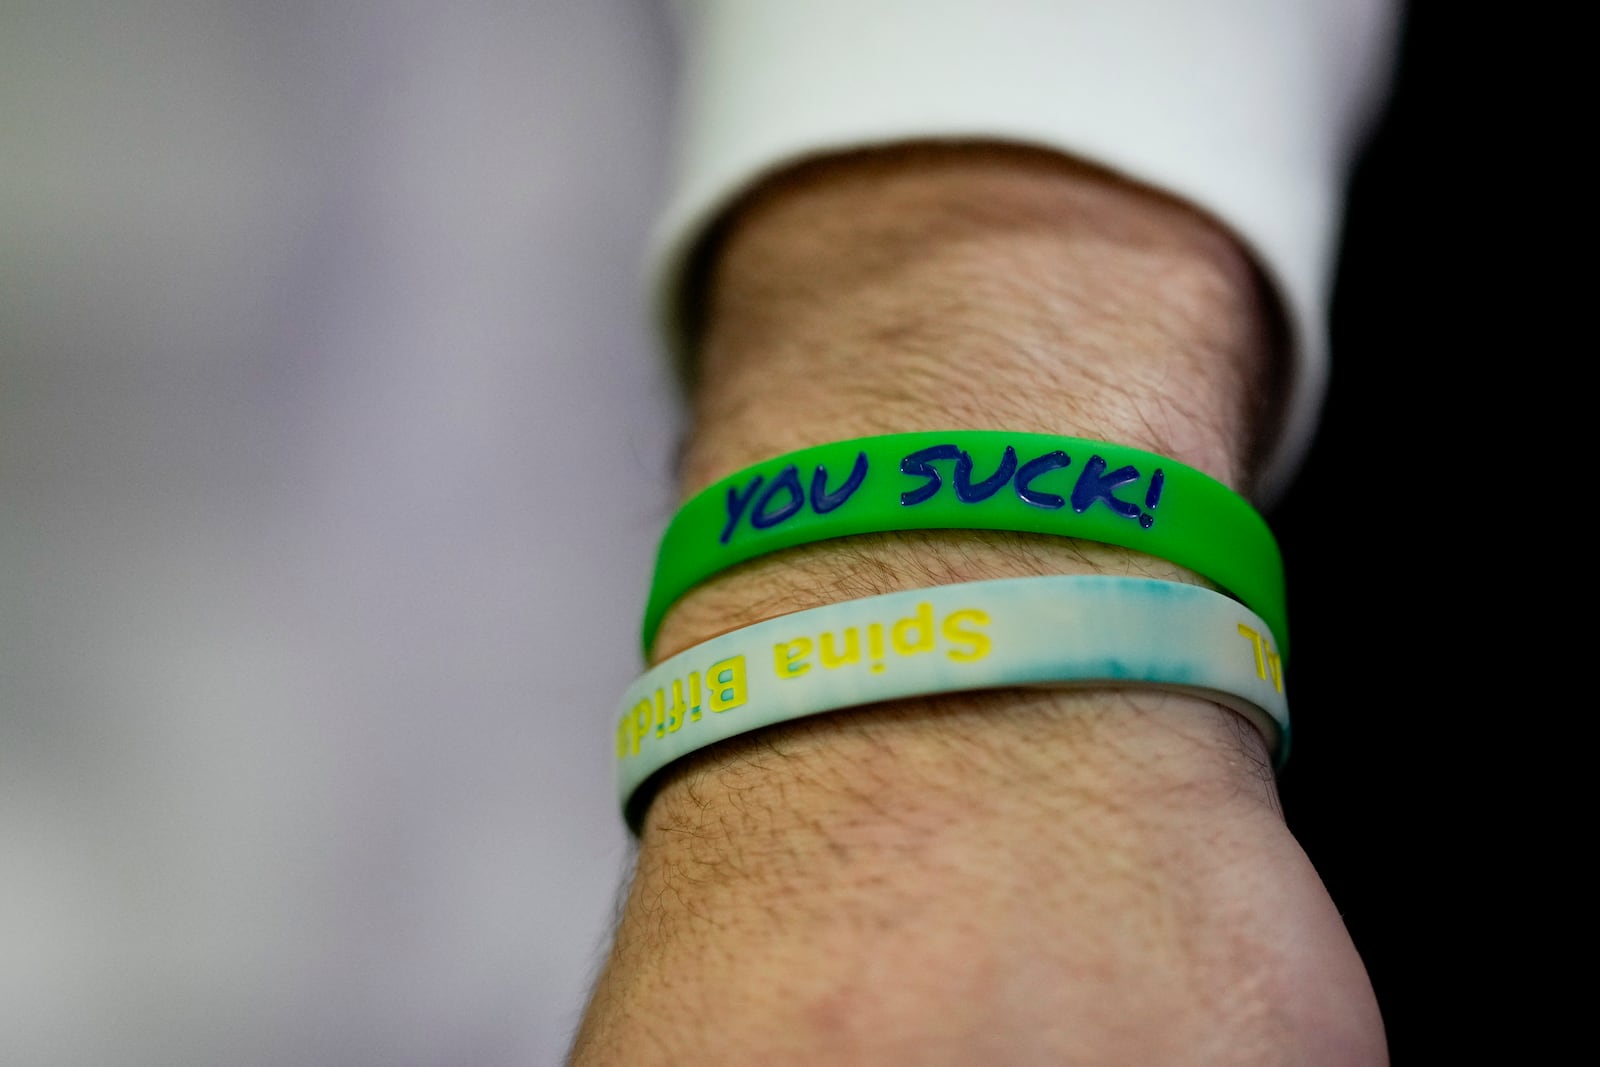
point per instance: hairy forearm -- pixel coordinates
(901, 291)
(1096, 876)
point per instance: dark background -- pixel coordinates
(1385, 684)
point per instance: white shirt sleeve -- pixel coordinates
(1249, 109)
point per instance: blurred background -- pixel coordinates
(334, 441)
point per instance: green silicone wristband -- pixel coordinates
(975, 480)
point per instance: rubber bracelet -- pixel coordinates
(1078, 629)
(975, 479)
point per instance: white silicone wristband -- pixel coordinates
(1053, 631)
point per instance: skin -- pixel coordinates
(1099, 876)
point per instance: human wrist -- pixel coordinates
(977, 288)
(906, 884)
(964, 288)
(955, 288)
(1094, 876)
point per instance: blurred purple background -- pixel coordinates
(333, 447)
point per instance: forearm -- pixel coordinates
(1092, 876)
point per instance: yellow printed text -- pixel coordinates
(958, 633)
(681, 701)
(1268, 663)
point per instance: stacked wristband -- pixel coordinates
(975, 480)
(1067, 630)
(1083, 630)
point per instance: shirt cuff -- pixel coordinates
(1249, 109)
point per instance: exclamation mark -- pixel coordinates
(1153, 497)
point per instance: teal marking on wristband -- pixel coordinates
(975, 480)
(1078, 630)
